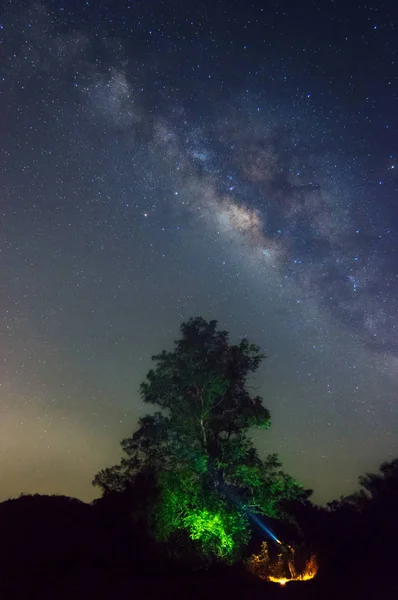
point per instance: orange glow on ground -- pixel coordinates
(310, 570)
(281, 570)
(276, 580)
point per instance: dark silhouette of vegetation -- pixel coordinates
(175, 517)
(370, 516)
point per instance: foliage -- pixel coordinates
(218, 532)
(258, 564)
(377, 488)
(208, 471)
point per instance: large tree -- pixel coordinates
(209, 476)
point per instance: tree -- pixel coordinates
(361, 529)
(208, 473)
(379, 488)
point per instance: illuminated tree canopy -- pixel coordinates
(208, 473)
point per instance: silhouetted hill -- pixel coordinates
(61, 548)
(53, 542)
(46, 532)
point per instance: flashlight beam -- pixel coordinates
(264, 528)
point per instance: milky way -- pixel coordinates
(145, 179)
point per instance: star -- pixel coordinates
(138, 190)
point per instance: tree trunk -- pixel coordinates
(203, 432)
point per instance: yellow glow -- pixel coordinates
(310, 570)
(276, 580)
(281, 569)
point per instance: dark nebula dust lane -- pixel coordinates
(158, 161)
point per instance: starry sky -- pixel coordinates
(161, 160)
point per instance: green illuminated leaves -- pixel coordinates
(213, 530)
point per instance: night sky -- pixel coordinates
(233, 160)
